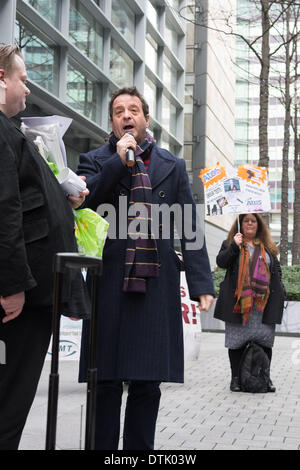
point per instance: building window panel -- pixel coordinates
(40, 58)
(189, 61)
(150, 92)
(81, 92)
(175, 4)
(49, 9)
(152, 14)
(100, 3)
(151, 50)
(169, 75)
(171, 37)
(123, 18)
(169, 115)
(85, 33)
(121, 66)
(188, 113)
(188, 156)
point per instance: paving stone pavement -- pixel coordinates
(201, 414)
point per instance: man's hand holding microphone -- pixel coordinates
(126, 147)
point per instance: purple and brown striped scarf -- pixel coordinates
(141, 260)
(253, 282)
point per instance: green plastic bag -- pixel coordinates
(90, 232)
(54, 168)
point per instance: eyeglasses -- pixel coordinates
(248, 221)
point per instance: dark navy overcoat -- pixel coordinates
(140, 336)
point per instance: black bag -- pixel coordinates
(254, 369)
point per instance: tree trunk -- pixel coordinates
(296, 228)
(284, 234)
(264, 86)
(296, 215)
(264, 91)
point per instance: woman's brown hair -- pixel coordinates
(262, 234)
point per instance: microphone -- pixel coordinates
(130, 159)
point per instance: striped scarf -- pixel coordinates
(253, 282)
(141, 259)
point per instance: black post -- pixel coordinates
(90, 426)
(54, 376)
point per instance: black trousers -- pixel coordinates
(26, 341)
(140, 415)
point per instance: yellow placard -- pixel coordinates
(211, 175)
(253, 174)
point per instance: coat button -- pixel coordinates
(123, 192)
(162, 194)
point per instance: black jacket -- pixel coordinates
(36, 220)
(228, 258)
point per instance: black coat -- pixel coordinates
(36, 220)
(228, 258)
(140, 335)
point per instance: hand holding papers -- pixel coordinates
(70, 182)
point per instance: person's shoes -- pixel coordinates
(271, 387)
(234, 385)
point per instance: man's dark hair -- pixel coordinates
(132, 91)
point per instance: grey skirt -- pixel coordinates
(237, 335)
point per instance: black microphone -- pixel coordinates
(130, 159)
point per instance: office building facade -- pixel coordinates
(78, 52)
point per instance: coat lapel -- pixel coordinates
(160, 167)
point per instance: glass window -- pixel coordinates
(174, 4)
(164, 144)
(188, 156)
(169, 115)
(241, 154)
(81, 92)
(171, 36)
(49, 9)
(189, 61)
(100, 3)
(85, 32)
(188, 127)
(121, 66)
(189, 13)
(151, 49)
(150, 93)
(241, 132)
(152, 15)
(40, 58)
(169, 75)
(123, 19)
(188, 113)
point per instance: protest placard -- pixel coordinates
(235, 190)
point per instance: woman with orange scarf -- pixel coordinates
(252, 295)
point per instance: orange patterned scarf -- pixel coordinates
(253, 282)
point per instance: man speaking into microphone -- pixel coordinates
(140, 335)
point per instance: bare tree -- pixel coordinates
(296, 131)
(290, 26)
(259, 45)
(284, 235)
(271, 14)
